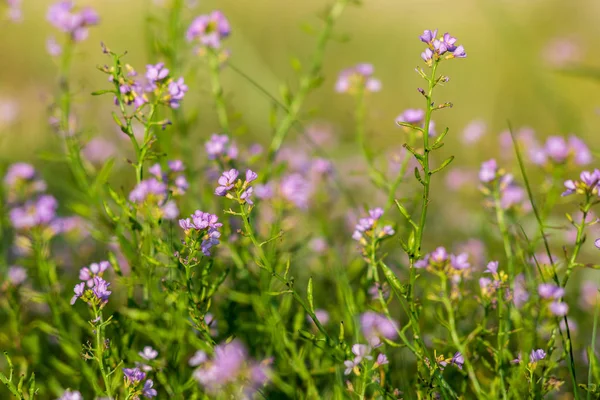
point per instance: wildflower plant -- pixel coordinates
(190, 262)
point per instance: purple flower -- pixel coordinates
(148, 188)
(250, 176)
(147, 390)
(459, 52)
(428, 36)
(219, 145)
(550, 291)
(226, 182)
(488, 171)
(226, 366)
(296, 189)
(537, 355)
(246, 195)
(520, 291)
(63, 17)
(349, 364)
(357, 78)
(438, 256)
(87, 274)
(100, 289)
(198, 358)
(34, 213)
(460, 261)
(559, 308)
(19, 172)
(209, 29)
(580, 151)
(17, 275)
(133, 376)
(492, 267)
(70, 395)
(176, 166)
(382, 359)
(53, 47)
(375, 325)
(517, 360)
(474, 131)
(79, 289)
(148, 353)
(177, 89)
(458, 360)
(155, 73)
(427, 56)
(557, 148)
(361, 352)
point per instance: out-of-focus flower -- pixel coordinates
(357, 79)
(209, 30)
(70, 395)
(198, 358)
(17, 275)
(473, 132)
(220, 146)
(34, 213)
(562, 51)
(148, 353)
(64, 17)
(231, 365)
(53, 47)
(375, 326)
(589, 295)
(536, 355)
(99, 150)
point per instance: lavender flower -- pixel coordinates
(148, 353)
(205, 225)
(198, 358)
(71, 395)
(357, 79)
(349, 364)
(460, 261)
(550, 291)
(155, 73)
(296, 189)
(63, 17)
(100, 289)
(209, 30)
(367, 228)
(87, 274)
(414, 116)
(375, 325)
(382, 359)
(536, 355)
(148, 390)
(34, 213)
(226, 182)
(488, 171)
(133, 376)
(440, 46)
(79, 290)
(588, 184)
(17, 275)
(559, 308)
(361, 352)
(146, 189)
(176, 89)
(220, 146)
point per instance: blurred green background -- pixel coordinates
(506, 74)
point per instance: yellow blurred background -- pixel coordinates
(513, 48)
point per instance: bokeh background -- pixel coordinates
(531, 62)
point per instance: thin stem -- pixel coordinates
(214, 65)
(100, 350)
(307, 82)
(592, 353)
(456, 339)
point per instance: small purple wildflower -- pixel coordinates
(133, 376)
(155, 73)
(100, 289)
(209, 30)
(63, 17)
(559, 308)
(375, 325)
(17, 275)
(148, 391)
(382, 359)
(361, 352)
(198, 358)
(226, 182)
(357, 79)
(488, 171)
(79, 289)
(148, 353)
(70, 395)
(536, 355)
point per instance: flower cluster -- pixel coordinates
(133, 378)
(209, 30)
(511, 195)
(174, 179)
(441, 260)
(96, 295)
(231, 365)
(155, 87)
(21, 182)
(233, 188)
(558, 150)
(377, 326)
(220, 147)
(75, 23)
(491, 285)
(440, 47)
(587, 184)
(357, 79)
(71, 395)
(367, 228)
(205, 226)
(362, 353)
(553, 293)
(457, 359)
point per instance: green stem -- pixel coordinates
(100, 350)
(456, 339)
(306, 83)
(217, 90)
(592, 353)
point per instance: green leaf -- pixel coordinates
(101, 92)
(309, 293)
(397, 286)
